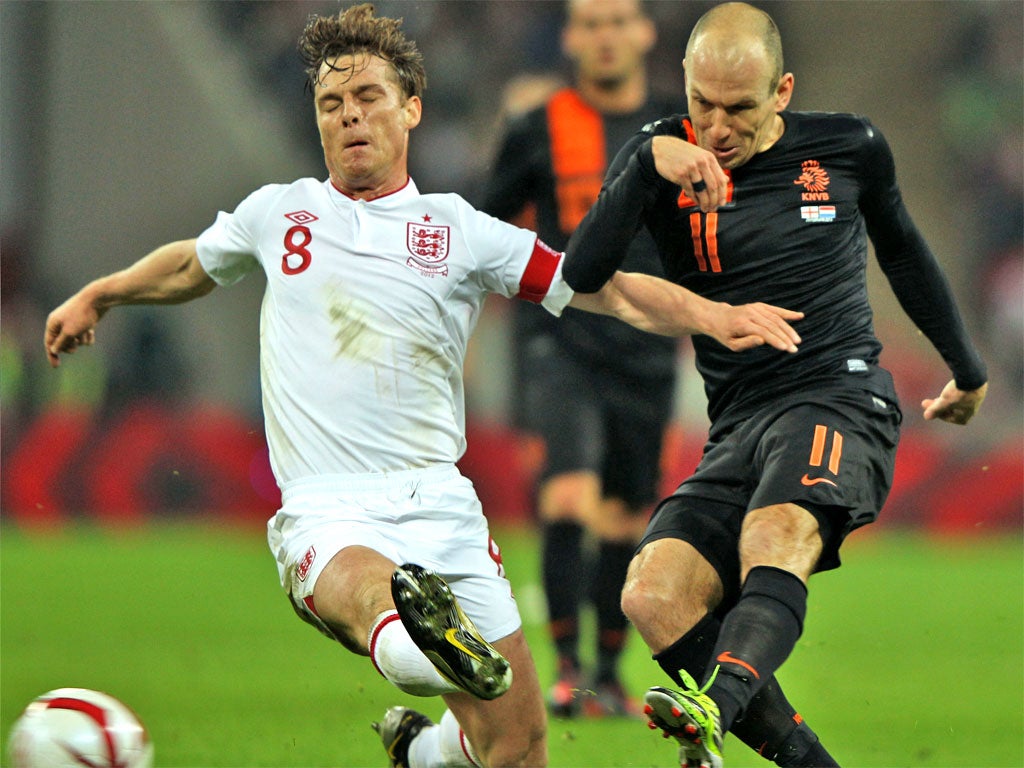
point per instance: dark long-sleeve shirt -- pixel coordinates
(794, 233)
(526, 173)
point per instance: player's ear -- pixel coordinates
(784, 91)
(413, 111)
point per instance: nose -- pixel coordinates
(350, 112)
(719, 125)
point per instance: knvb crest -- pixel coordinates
(428, 244)
(814, 179)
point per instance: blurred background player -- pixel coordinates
(599, 393)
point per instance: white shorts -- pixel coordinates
(431, 517)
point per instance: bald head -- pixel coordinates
(735, 85)
(739, 36)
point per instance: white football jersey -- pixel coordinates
(366, 316)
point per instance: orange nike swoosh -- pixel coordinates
(728, 658)
(814, 481)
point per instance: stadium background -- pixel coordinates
(126, 125)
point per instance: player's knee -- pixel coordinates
(641, 601)
(668, 589)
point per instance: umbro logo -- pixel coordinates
(301, 217)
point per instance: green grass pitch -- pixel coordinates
(913, 653)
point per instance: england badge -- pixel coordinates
(428, 244)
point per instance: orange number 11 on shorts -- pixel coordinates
(818, 454)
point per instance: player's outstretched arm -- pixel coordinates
(662, 307)
(169, 275)
(957, 406)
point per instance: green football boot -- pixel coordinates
(692, 718)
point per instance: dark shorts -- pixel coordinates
(831, 453)
(602, 421)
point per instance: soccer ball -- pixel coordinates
(74, 727)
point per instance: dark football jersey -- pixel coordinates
(527, 174)
(793, 233)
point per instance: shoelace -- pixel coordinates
(691, 683)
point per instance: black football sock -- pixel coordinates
(691, 652)
(757, 635)
(770, 726)
(803, 750)
(612, 563)
(562, 567)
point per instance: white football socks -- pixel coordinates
(400, 660)
(442, 746)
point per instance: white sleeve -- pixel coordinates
(513, 261)
(558, 294)
(229, 249)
